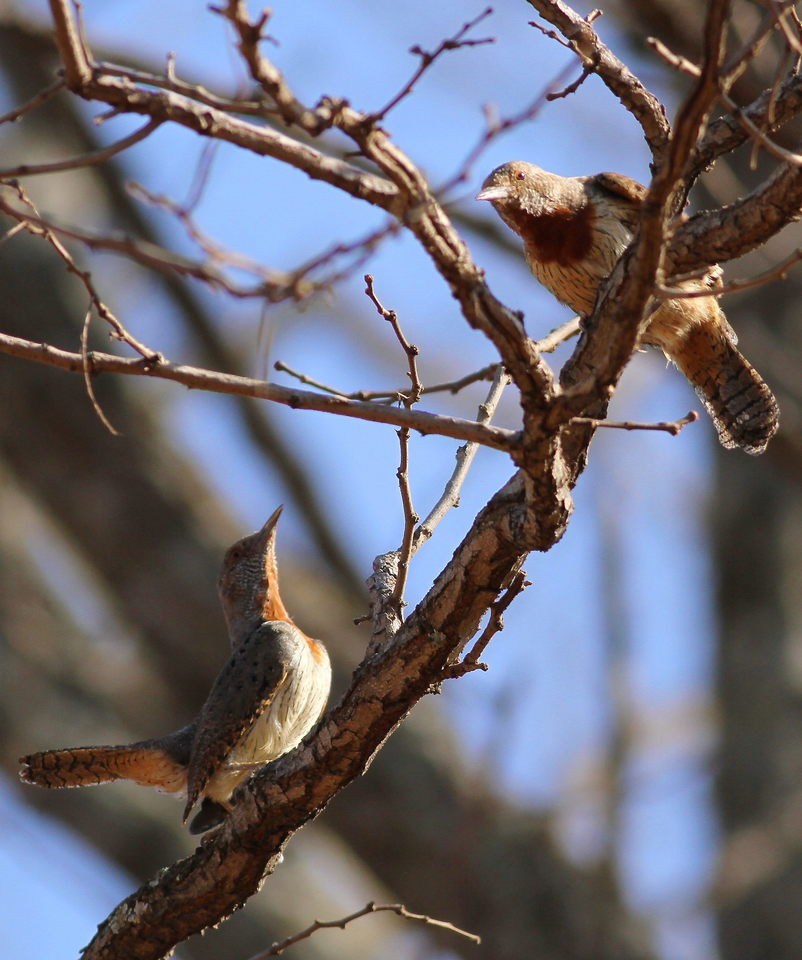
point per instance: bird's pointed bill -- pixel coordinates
(498, 192)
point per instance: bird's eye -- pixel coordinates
(520, 175)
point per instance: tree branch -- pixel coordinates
(214, 382)
(584, 40)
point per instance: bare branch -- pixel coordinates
(74, 56)
(390, 396)
(464, 457)
(35, 224)
(36, 101)
(495, 624)
(584, 40)
(559, 335)
(685, 66)
(780, 272)
(90, 389)
(674, 427)
(86, 159)
(427, 59)
(278, 948)
(200, 379)
(768, 112)
(715, 236)
(409, 400)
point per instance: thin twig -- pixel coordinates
(36, 225)
(495, 126)
(390, 396)
(278, 948)
(585, 42)
(471, 661)
(310, 381)
(90, 389)
(687, 67)
(667, 426)
(780, 272)
(464, 458)
(427, 59)
(36, 101)
(408, 400)
(559, 335)
(85, 159)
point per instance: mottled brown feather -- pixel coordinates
(243, 690)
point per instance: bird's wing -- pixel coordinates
(243, 690)
(626, 189)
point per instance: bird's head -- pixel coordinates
(248, 581)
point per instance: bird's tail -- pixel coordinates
(695, 335)
(144, 763)
(742, 406)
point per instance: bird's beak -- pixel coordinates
(499, 192)
(268, 528)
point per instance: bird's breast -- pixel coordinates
(293, 711)
(571, 252)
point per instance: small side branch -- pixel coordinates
(36, 101)
(33, 222)
(408, 400)
(399, 909)
(495, 624)
(464, 457)
(85, 159)
(583, 39)
(673, 427)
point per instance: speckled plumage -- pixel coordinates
(575, 230)
(267, 697)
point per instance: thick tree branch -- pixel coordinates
(715, 236)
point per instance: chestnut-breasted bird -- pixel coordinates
(575, 229)
(268, 696)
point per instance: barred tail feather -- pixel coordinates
(85, 766)
(743, 408)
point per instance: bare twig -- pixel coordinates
(270, 79)
(310, 381)
(464, 457)
(427, 59)
(495, 126)
(769, 112)
(36, 101)
(759, 136)
(90, 390)
(390, 396)
(668, 426)
(583, 39)
(559, 335)
(780, 272)
(85, 159)
(278, 948)
(35, 224)
(71, 45)
(408, 400)
(471, 661)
